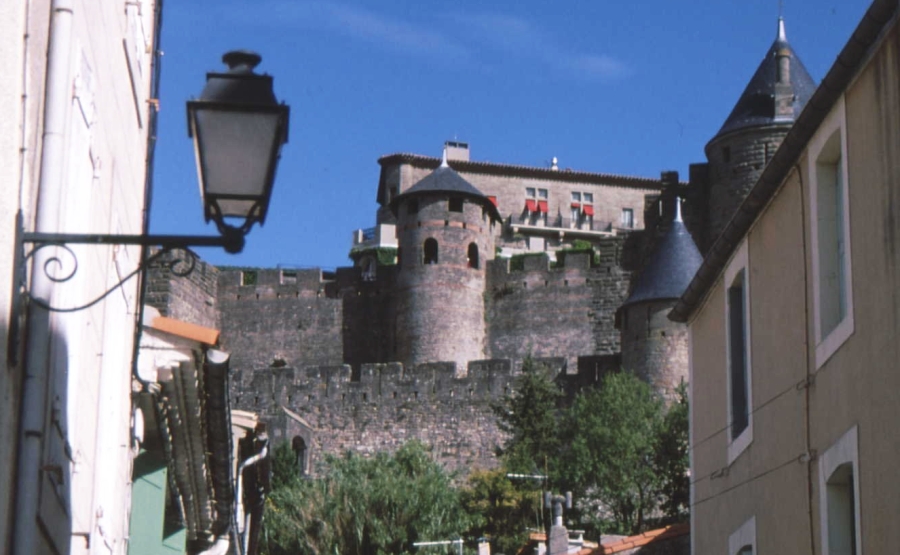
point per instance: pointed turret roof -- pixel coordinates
(445, 180)
(756, 106)
(670, 268)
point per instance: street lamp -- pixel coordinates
(238, 129)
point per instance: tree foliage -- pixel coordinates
(530, 417)
(672, 459)
(370, 506)
(627, 456)
(504, 509)
(611, 435)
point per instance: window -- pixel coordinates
(472, 256)
(743, 540)
(739, 382)
(737, 360)
(456, 204)
(576, 208)
(430, 251)
(627, 218)
(839, 497)
(288, 276)
(830, 234)
(248, 277)
(412, 207)
(726, 154)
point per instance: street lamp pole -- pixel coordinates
(238, 128)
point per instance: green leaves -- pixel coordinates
(371, 506)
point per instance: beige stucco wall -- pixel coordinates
(726, 496)
(104, 161)
(856, 387)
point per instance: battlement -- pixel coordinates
(388, 404)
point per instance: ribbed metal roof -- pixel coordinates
(756, 106)
(670, 268)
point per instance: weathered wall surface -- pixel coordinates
(284, 319)
(736, 161)
(388, 406)
(653, 347)
(568, 311)
(191, 298)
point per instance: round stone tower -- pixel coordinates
(654, 347)
(445, 233)
(753, 131)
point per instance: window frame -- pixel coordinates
(744, 536)
(738, 264)
(843, 451)
(628, 218)
(834, 123)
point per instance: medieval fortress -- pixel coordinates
(471, 267)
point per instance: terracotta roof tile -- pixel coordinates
(640, 540)
(200, 334)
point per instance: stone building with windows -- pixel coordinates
(793, 322)
(470, 267)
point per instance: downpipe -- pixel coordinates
(36, 365)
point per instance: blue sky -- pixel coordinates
(616, 87)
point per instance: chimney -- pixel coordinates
(457, 150)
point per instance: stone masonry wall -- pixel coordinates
(283, 319)
(388, 406)
(568, 311)
(654, 347)
(736, 161)
(191, 298)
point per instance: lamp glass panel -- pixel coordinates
(232, 207)
(235, 149)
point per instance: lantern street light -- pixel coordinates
(238, 129)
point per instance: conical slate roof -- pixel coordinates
(670, 268)
(756, 107)
(444, 180)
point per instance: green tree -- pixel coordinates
(672, 459)
(530, 417)
(502, 509)
(610, 461)
(370, 506)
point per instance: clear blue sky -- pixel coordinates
(615, 87)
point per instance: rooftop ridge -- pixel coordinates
(475, 166)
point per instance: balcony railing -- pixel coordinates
(383, 235)
(563, 226)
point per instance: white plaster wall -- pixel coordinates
(89, 396)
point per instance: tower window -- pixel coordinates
(412, 207)
(472, 256)
(726, 154)
(456, 204)
(430, 251)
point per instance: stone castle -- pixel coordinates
(471, 267)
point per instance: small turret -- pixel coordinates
(753, 131)
(654, 347)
